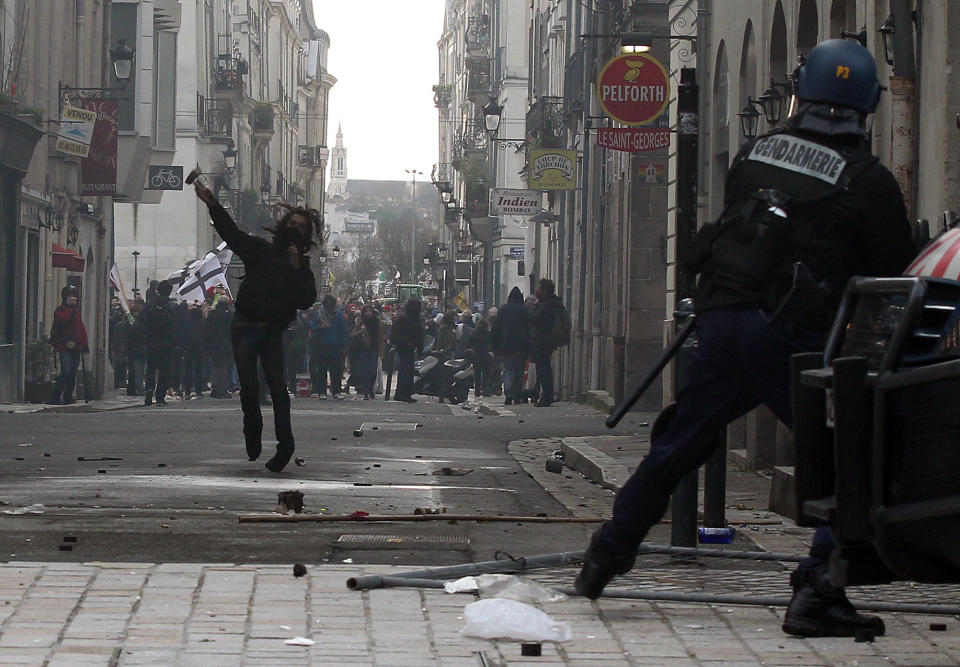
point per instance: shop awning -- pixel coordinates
(64, 258)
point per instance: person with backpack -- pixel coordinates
(161, 332)
(278, 282)
(68, 337)
(806, 208)
(549, 329)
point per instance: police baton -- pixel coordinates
(671, 350)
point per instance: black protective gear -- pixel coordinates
(842, 73)
(599, 567)
(820, 609)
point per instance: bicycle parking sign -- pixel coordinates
(163, 177)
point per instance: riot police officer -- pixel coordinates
(806, 208)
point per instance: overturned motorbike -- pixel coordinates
(443, 374)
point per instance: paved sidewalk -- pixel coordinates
(113, 400)
(222, 614)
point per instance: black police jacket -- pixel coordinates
(272, 290)
(845, 227)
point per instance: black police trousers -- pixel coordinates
(739, 362)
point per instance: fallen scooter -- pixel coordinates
(442, 374)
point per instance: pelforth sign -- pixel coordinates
(633, 89)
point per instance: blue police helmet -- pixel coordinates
(840, 72)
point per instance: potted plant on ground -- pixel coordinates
(39, 369)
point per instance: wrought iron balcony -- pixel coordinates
(477, 36)
(478, 80)
(229, 73)
(477, 199)
(473, 137)
(442, 176)
(261, 118)
(545, 122)
(214, 117)
(308, 156)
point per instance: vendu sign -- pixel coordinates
(515, 202)
(633, 89)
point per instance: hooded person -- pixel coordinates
(68, 337)
(278, 282)
(406, 336)
(510, 340)
(161, 329)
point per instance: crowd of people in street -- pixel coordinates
(162, 349)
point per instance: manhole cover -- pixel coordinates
(388, 426)
(401, 541)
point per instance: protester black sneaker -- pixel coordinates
(818, 609)
(280, 459)
(599, 567)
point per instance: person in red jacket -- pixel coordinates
(69, 338)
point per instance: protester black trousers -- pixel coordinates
(326, 359)
(157, 373)
(404, 373)
(250, 344)
(739, 362)
(541, 358)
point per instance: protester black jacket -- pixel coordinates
(160, 322)
(511, 330)
(407, 332)
(272, 290)
(542, 321)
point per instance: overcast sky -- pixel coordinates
(383, 54)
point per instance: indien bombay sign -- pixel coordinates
(633, 89)
(514, 202)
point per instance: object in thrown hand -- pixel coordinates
(193, 175)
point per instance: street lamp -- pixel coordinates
(413, 225)
(336, 251)
(772, 103)
(886, 31)
(749, 118)
(136, 256)
(122, 58)
(265, 193)
(230, 156)
(635, 42)
(492, 114)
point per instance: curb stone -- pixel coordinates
(593, 464)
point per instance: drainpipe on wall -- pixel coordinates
(903, 103)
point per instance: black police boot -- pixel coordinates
(599, 567)
(148, 398)
(819, 609)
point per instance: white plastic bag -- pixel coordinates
(507, 586)
(498, 618)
